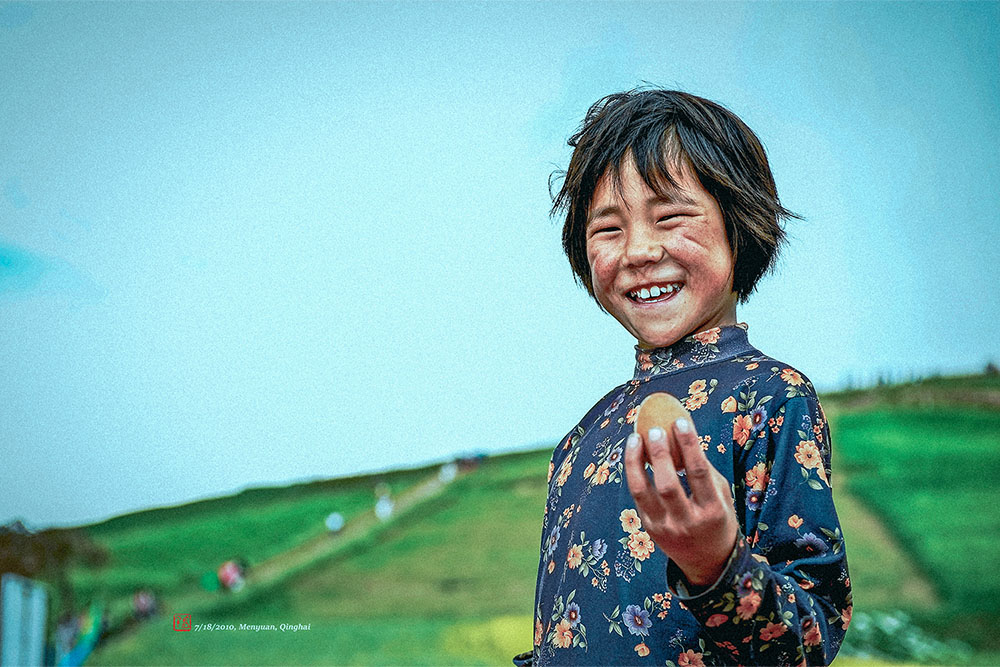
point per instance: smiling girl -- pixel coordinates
(736, 556)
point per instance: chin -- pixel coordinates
(660, 340)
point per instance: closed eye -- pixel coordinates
(676, 213)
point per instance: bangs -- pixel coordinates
(658, 160)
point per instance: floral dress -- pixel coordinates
(606, 594)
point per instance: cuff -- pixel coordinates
(684, 591)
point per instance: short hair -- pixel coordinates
(662, 129)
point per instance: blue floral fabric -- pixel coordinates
(606, 594)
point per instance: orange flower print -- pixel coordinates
(567, 514)
(791, 377)
(715, 620)
(552, 467)
(630, 521)
(574, 556)
(642, 650)
(538, 632)
(602, 474)
(645, 361)
(708, 337)
(657, 597)
(697, 387)
(690, 658)
(695, 401)
(552, 566)
(564, 635)
(808, 455)
(640, 545)
(729, 405)
(741, 429)
(564, 472)
(589, 470)
(772, 630)
(758, 477)
(811, 635)
(749, 604)
(630, 417)
(752, 366)
(845, 616)
(775, 424)
(795, 521)
(605, 422)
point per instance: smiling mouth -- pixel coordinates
(655, 293)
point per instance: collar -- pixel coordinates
(702, 348)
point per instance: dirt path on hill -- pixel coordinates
(321, 546)
(865, 527)
(866, 536)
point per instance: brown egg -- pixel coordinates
(661, 409)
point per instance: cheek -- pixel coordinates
(602, 271)
(602, 275)
(712, 261)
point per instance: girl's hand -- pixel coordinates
(698, 532)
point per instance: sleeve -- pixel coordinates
(784, 597)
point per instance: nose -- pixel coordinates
(642, 247)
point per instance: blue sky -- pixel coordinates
(249, 243)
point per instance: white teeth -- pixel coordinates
(654, 292)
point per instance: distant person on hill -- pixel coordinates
(66, 632)
(231, 576)
(143, 604)
(713, 540)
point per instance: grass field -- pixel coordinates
(931, 474)
(451, 581)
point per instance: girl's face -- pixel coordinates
(661, 266)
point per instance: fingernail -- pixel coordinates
(656, 433)
(683, 425)
(633, 441)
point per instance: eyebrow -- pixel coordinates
(678, 198)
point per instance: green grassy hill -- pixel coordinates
(450, 579)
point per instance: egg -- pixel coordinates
(661, 409)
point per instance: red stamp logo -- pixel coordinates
(182, 622)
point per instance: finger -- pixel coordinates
(699, 471)
(647, 501)
(668, 485)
